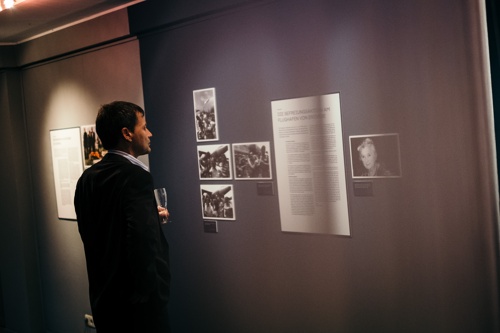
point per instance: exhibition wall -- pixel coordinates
(422, 248)
(421, 255)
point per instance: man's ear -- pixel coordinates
(126, 134)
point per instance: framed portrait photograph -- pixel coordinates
(214, 162)
(205, 115)
(217, 202)
(252, 160)
(92, 148)
(375, 156)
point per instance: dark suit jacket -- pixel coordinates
(125, 249)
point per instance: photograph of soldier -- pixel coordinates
(214, 162)
(217, 202)
(252, 161)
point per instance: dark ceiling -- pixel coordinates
(32, 18)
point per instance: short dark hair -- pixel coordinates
(112, 117)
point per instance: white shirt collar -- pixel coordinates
(129, 157)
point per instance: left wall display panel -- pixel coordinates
(67, 166)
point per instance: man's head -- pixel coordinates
(122, 125)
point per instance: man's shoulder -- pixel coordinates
(120, 173)
(115, 164)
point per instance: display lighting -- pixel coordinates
(6, 4)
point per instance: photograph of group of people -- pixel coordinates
(214, 162)
(239, 161)
(92, 148)
(217, 202)
(252, 161)
(205, 113)
(375, 156)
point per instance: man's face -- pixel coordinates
(140, 137)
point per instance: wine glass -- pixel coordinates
(161, 200)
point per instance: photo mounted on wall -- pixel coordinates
(217, 202)
(252, 161)
(375, 156)
(214, 162)
(205, 113)
(92, 148)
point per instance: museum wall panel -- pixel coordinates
(421, 253)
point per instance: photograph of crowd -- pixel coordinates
(214, 162)
(217, 202)
(205, 112)
(252, 161)
(93, 151)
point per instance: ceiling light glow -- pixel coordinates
(8, 3)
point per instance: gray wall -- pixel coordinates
(19, 277)
(422, 253)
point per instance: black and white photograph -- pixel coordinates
(375, 156)
(217, 202)
(252, 160)
(92, 148)
(205, 113)
(214, 162)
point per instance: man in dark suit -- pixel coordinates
(119, 223)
